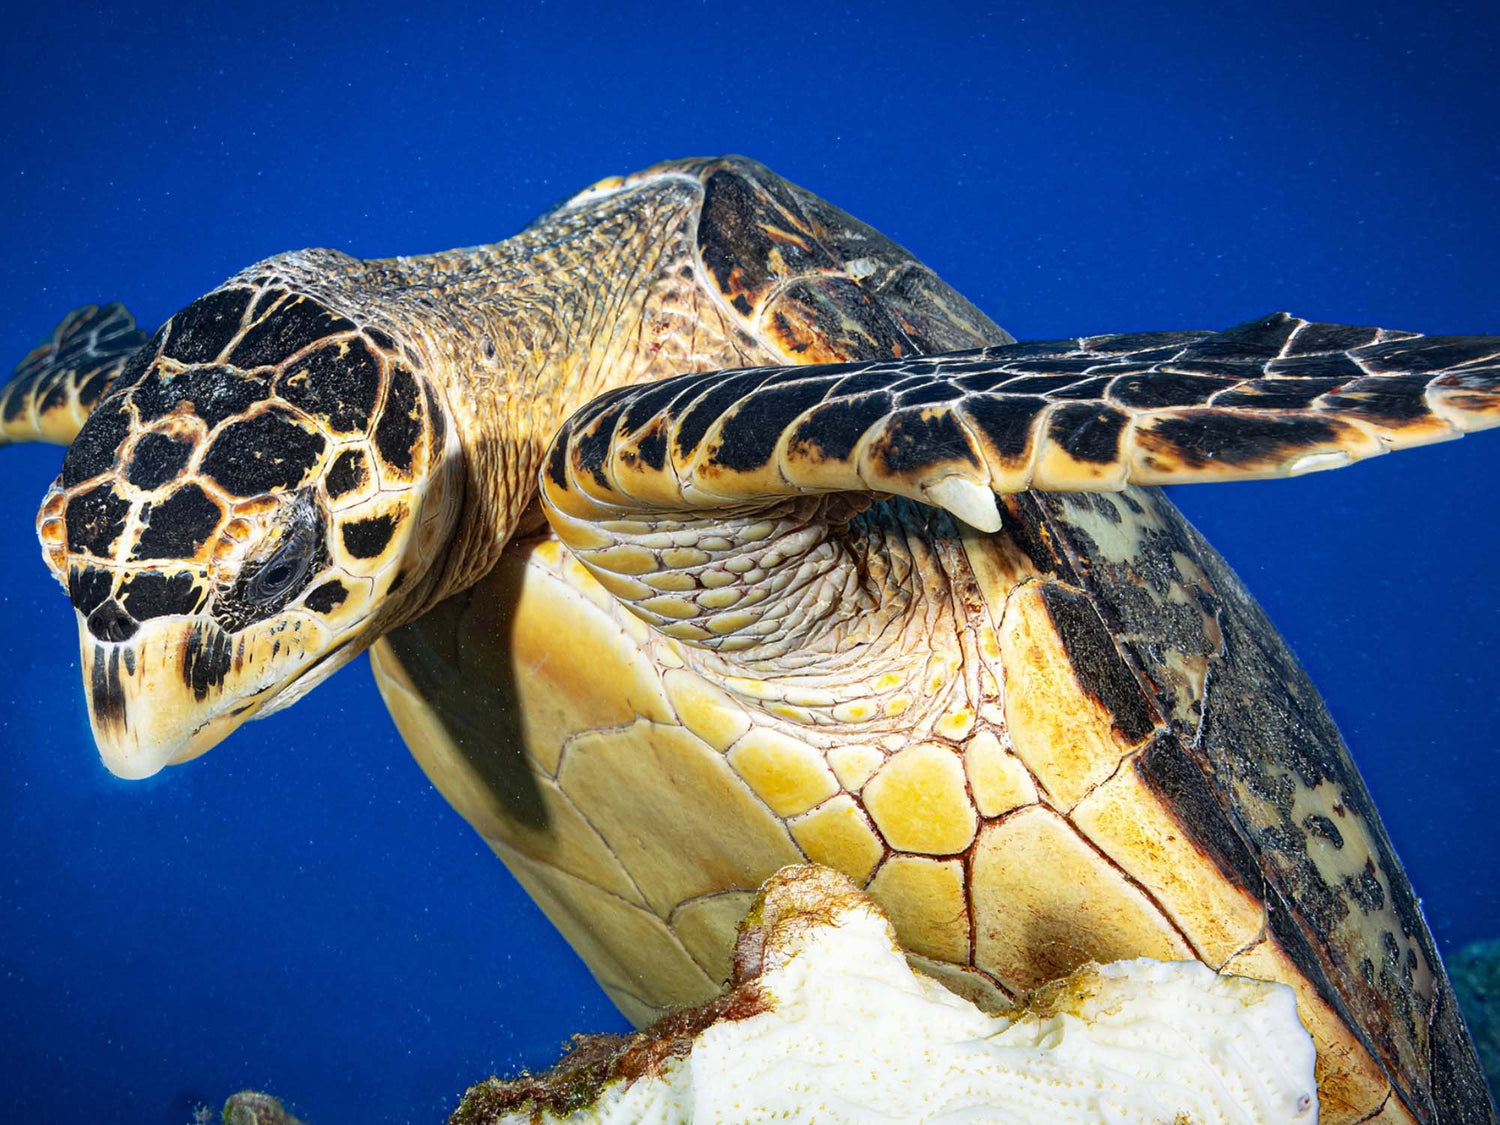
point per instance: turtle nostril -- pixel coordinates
(110, 622)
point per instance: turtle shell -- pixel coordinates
(1141, 767)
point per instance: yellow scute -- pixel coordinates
(787, 773)
(1045, 903)
(1129, 823)
(559, 688)
(997, 778)
(836, 834)
(1061, 733)
(711, 714)
(630, 951)
(920, 802)
(854, 765)
(925, 899)
(707, 929)
(674, 813)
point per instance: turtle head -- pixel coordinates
(264, 491)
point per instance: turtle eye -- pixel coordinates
(283, 570)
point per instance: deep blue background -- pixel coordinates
(299, 910)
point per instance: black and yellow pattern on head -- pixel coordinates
(230, 518)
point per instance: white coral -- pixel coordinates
(848, 1033)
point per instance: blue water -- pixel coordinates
(299, 910)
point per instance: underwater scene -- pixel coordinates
(299, 910)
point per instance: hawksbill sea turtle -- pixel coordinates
(700, 529)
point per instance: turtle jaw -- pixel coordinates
(180, 686)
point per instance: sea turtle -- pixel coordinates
(685, 554)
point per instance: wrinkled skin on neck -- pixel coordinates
(322, 448)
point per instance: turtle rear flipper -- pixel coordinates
(660, 488)
(54, 389)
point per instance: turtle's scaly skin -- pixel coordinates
(1073, 738)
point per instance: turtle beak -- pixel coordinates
(176, 687)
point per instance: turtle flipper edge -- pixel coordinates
(53, 390)
(749, 464)
(1273, 397)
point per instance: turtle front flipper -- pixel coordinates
(672, 492)
(54, 389)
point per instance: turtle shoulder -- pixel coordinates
(815, 283)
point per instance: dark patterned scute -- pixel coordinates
(177, 527)
(1263, 726)
(381, 340)
(1206, 436)
(1261, 338)
(152, 593)
(732, 241)
(913, 441)
(338, 384)
(347, 473)
(652, 447)
(705, 411)
(594, 446)
(17, 393)
(644, 406)
(1025, 384)
(1088, 432)
(832, 430)
(833, 315)
(157, 459)
(1006, 420)
(213, 393)
(140, 361)
(1336, 367)
(327, 597)
(1386, 399)
(854, 379)
(929, 392)
(365, 539)
(95, 519)
(266, 452)
(1096, 663)
(201, 332)
(557, 461)
(293, 326)
(96, 448)
(748, 437)
(267, 298)
(400, 426)
(92, 389)
(1084, 390)
(1162, 389)
(1278, 394)
(1428, 353)
(1316, 338)
(88, 586)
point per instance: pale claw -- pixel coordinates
(967, 499)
